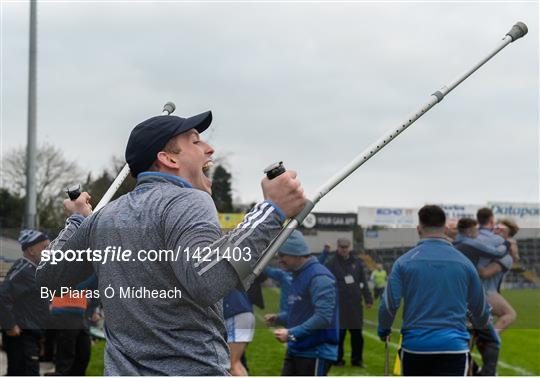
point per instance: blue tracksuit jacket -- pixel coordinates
(285, 279)
(438, 285)
(313, 313)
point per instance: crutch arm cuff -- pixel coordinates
(242, 268)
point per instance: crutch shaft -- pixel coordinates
(517, 31)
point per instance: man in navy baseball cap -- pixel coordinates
(171, 209)
(150, 137)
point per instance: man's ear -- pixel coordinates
(32, 251)
(419, 230)
(166, 160)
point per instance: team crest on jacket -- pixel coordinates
(293, 298)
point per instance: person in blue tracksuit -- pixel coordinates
(312, 329)
(468, 243)
(486, 223)
(496, 270)
(438, 285)
(488, 341)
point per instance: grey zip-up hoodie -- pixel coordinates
(163, 336)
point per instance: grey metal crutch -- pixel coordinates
(517, 31)
(386, 356)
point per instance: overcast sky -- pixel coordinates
(311, 84)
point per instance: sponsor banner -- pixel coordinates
(404, 217)
(457, 211)
(346, 221)
(387, 216)
(526, 215)
(230, 220)
(390, 238)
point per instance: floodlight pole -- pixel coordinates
(30, 216)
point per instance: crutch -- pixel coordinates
(75, 192)
(386, 356)
(517, 31)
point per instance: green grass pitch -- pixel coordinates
(520, 354)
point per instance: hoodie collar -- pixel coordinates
(30, 261)
(149, 177)
(312, 260)
(485, 231)
(434, 240)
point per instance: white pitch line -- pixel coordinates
(375, 337)
(502, 364)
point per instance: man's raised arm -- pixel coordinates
(213, 263)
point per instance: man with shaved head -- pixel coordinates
(438, 286)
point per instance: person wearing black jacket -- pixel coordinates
(352, 286)
(23, 313)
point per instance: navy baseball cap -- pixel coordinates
(150, 136)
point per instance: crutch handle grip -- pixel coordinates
(73, 192)
(274, 170)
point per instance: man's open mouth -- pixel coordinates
(206, 168)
